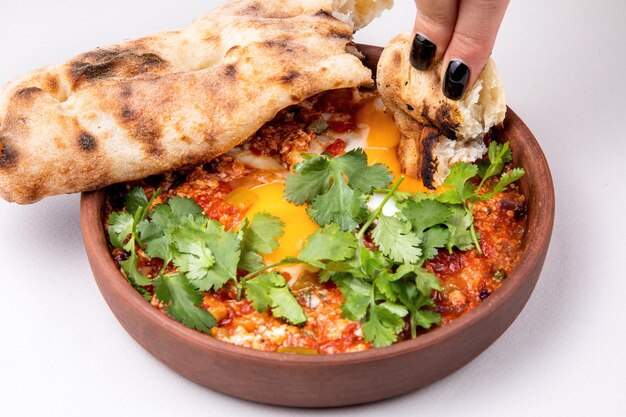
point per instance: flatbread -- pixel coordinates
(436, 132)
(172, 99)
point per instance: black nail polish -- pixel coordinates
(422, 52)
(455, 80)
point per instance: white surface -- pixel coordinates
(564, 65)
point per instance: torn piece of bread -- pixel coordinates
(442, 130)
(173, 99)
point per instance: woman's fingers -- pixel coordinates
(471, 44)
(433, 30)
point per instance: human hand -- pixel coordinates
(459, 32)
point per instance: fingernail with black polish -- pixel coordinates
(455, 80)
(422, 52)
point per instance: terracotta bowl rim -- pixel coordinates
(536, 244)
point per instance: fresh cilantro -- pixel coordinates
(384, 322)
(261, 235)
(120, 228)
(136, 200)
(336, 188)
(130, 267)
(328, 244)
(383, 287)
(425, 213)
(341, 205)
(396, 240)
(459, 224)
(205, 255)
(182, 301)
(458, 181)
(211, 253)
(270, 290)
(258, 237)
(499, 154)
(432, 240)
(357, 294)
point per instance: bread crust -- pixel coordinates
(424, 115)
(169, 100)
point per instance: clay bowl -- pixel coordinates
(343, 379)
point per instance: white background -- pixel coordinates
(564, 65)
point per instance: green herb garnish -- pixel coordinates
(205, 256)
(375, 259)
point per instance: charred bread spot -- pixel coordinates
(126, 91)
(8, 155)
(149, 134)
(87, 142)
(230, 71)
(345, 34)
(326, 15)
(285, 43)
(290, 77)
(108, 63)
(27, 93)
(127, 113)
(52, 84)
(444, 122)
(429, 162)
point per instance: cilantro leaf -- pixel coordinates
(425, 282)
(336, 188)
(160, 248)
(328, 244)
(181, 301)
(250, 261)
(120, 227)
(261, 235)
(130, 268)
(508, 178)
(199, 241)
(340, 205)
(362, 177)
(183, 207)
(426, 318)
(135, 199)
(416, 302)
(357, 294)
(499, 154)
(459, 224)
(384, 284)
(384, 323)
(425, 213)
(433, 239)
(372, 262)
(458, 179)
(194, 258)
(395, 240)
(271, 290)
(310, 178)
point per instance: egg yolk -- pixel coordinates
(382, 143)
(298, 224)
